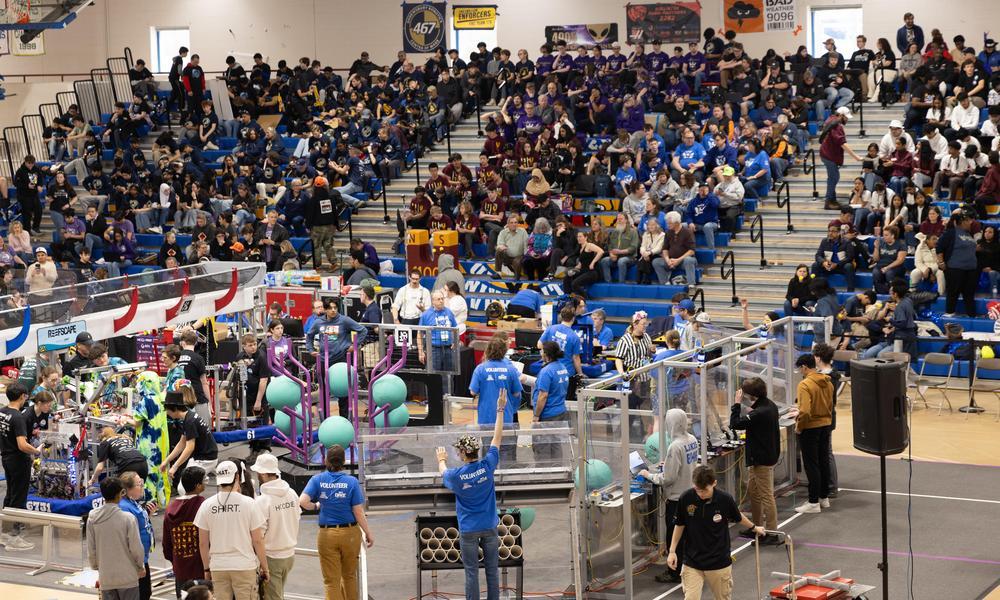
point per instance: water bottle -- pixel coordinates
(700, 357)
(763, 331)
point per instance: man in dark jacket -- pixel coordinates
(763, 447)
(321, 217)
(835, 256)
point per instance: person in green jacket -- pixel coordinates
(623, 241)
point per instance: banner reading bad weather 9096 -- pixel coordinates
(669, 22)
(758, 16)
(423, 27)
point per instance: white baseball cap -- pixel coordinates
(266, 463)
(843, 110)
(41, 249)
(703, 317)
(895, 124)
(225, 472)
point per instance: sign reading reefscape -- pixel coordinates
(672, 22)
(423, 27)
(58, 337)
(593, 34)
(474, 17)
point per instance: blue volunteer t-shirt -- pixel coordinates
(568, 341)
(439, 318)
(475, 495)
(554, 380)
(337, 494)
(529, 298)
(487, 380)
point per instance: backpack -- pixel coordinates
(602, 186)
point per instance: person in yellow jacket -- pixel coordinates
(813, 420)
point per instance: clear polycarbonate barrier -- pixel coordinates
(406, 456)
(439, 345)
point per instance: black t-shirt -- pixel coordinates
(194, 368)
(196, 429)
(77, 362)
(706, 528)
(120, 451)
(12, 426)
(257, 369)
(33, 421)
(861, 59)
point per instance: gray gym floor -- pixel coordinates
(956, 542)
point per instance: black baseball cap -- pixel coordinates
(84, 338)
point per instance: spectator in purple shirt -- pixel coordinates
(582, 59)
(616, 62)
(598, 59)
(676, 87)
(530, 123)
(543, 65)
(676, 61)
(694, 67)
(632, 117)
(657, 61)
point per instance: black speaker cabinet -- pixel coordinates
(878, 405)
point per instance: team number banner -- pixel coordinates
(474, 17)
(671, 23)
(594, 34)
(758, 16)
(423, 27)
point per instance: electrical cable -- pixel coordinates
(909, 518)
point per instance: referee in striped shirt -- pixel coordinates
(634, 350)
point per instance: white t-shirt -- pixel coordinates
(460, 308)
(229, 517)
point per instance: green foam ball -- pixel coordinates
(652, 447)
(527, 517)
(336, 430)
(389, 389)
(398, 417)
(282, 422)
(283, 391)
(598, 474)
(338, 379)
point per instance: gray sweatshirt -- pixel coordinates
(447, 272)
(682, 454)
(114, 547)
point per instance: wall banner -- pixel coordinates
(474, 17)
(669, 22)
(593, 34)
(423, 27)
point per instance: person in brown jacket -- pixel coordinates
(813, 419)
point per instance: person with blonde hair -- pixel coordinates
(118, 451)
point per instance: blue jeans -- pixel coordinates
(622, 263)
(863, 220)
(471, 542)
(874, 351)
(689, 264)
(709, 230)
(441, 359)
(347, 190)
(59, 221)
(832, 178)
(837, 97)
(898, 184)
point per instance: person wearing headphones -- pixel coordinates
(476, 504)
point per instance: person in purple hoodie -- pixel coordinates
(694, 68)
(119, 254)
(632, 117)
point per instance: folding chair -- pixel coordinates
(935, 382)
(986, 385)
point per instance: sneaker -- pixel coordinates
(824, 503)
(808, 507)
(771, 540)
(211, 146)
(18, 544)
(668, 577)
(157, 230)
(831, 494)
(748, 533)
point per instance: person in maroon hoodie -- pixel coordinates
(989, 189)
(180, 536)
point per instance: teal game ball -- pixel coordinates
(338, 380)
(336, 430)
(527, 516)
(283, 391)
(283, 422)
(652, 447)
(389, 389)
(398, 417)
(598, 474)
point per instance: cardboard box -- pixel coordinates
(521, 323)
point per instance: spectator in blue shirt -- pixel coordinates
(721, 153)
(756, 176)
(548, 400)
(909, 34)
(355, 173)
(476, 505)
(603, 336)
(492, 377)
(689, 157)
(442, 340)
(703, 214)
(625, 175)
(341, 504)
(990, 57)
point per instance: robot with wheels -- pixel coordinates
(809, 586)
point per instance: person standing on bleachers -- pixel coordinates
(194, 82)
(956, 252)
(833, 145)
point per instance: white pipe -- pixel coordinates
(433, 543)
(481, 554)
(516, 551)
(427, 555)
(502, 530)
(452, 533)
(426, 533)
(504, 552)
(507, 540)
(447, 544)
(439, 533)
(454, 555)
(440, 555)
(507, 520)
(514, 530)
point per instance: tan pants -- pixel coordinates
(322, 239)
(338, 559)
(235, 585)
(279, 568)
(760, 488)
(720, 581)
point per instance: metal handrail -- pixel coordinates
(809, 167)
(787, 203)
(757, 235)
(730, 257)
(861, 116)
(699, 294)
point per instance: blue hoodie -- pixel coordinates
(703, 210)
